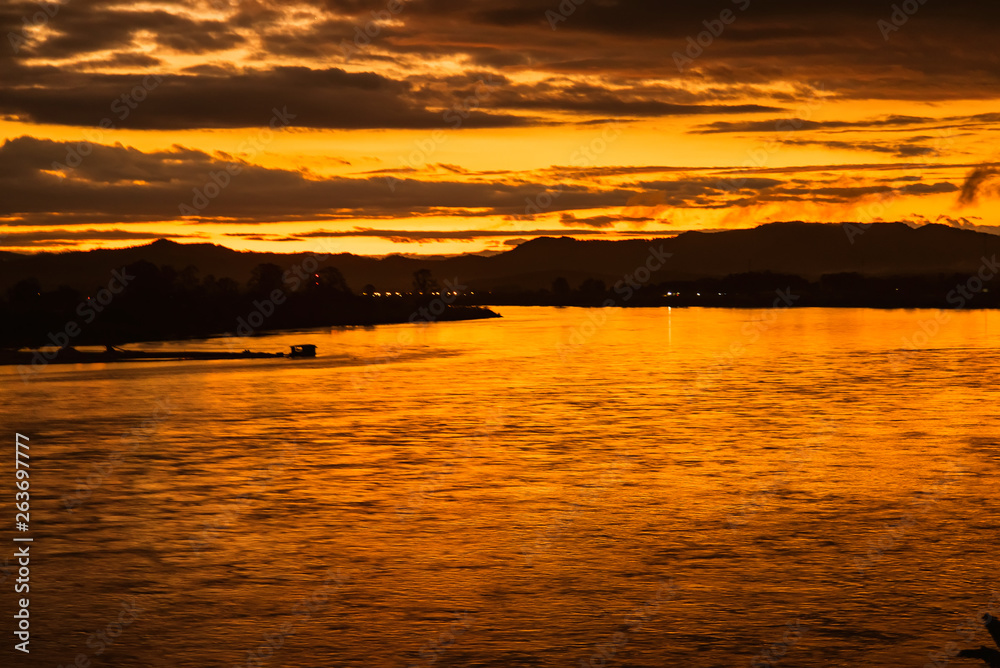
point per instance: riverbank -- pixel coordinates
(60, 329)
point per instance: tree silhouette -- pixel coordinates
(330, 279)
(423, 281)
(265, 279)
(25, 292)
(560, 287)
(188, 279)
(161, 303)
(593, 287)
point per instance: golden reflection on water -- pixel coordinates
(707, 484)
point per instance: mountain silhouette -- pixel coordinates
(809, 250)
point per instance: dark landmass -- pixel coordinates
(166, 291)
(144, 302)
(809, 250)
(766, 290)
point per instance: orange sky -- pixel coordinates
(462, 127)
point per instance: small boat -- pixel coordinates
(304, 350)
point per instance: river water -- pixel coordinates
(562, 487)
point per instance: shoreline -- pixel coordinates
(453, 314)
(752, 307)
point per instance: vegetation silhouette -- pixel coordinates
(757, 290)
(161, 303)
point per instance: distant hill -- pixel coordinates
(805, 249)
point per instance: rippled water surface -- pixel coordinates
(562, 487)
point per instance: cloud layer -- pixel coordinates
(849, 103)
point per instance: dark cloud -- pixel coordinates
(61, 237)
(887, 123)
(41, 185)
(975, 182)
(856, 167)
(339, 64)
(709, 193)
(963, 222)
(847, 194)
(703, 192)
(125, 59)
(214, 96)
(929, 188)
(330, 98)
(787, 124)
(908, 149)
(512, 237)
(601, 222)
(415, 236)
(115, 184)
(838, 43)
(594, 99)
(607, 58)
(78, 28)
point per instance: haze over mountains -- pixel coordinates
(809, 250)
